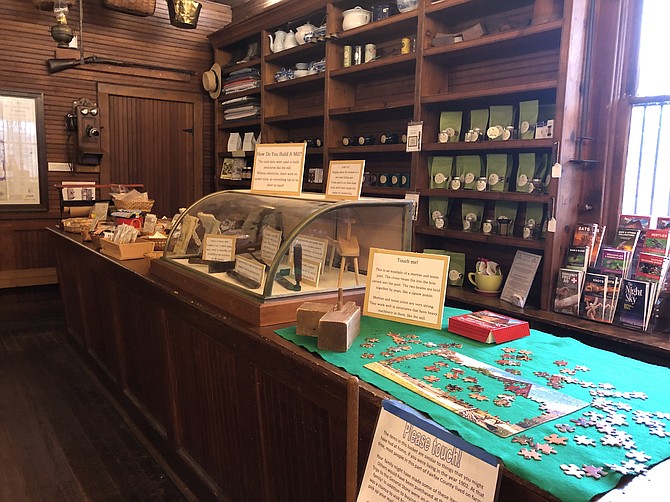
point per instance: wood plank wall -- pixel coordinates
(27, 44)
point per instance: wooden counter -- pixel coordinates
(239, 412)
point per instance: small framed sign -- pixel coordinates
(278, 168)
(345, 179)
(218, 247)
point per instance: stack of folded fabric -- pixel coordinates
(245, 107)
(242, 80)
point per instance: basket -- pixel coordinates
(130, 251)
(134, 7)
(76, 225)
(140, 205)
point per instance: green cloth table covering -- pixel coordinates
(601, 371)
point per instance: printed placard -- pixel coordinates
(345, 179)
(278, 168)
(313, 248)
(218, 247)
(250, 268)
(311, 272)
(406, 287)
(437, 465)
(270, 243)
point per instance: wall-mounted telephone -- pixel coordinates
(85, 120)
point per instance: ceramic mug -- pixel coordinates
(486, 283)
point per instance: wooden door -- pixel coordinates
(153, 137)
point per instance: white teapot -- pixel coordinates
(277, 45)
(290, 41)
(303, 30)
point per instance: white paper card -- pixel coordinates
(278, 168)
(251, 269)
(414, 130)
(218, 247)
(436, 464)
(345, 179)
(520, 278)
(270, 243)
(311, 272)
(249, 142)
(313, 248)
(414, 197)
(234, 142)
(406, 287)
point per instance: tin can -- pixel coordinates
(405, 45)
(389, 138)
(357, 55)
(347, 56)
(370, 52)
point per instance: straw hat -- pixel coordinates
(211, 80)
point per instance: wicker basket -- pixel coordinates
(76, 225)
(135, 7)
(140, 205)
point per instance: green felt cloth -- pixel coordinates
(605, 369)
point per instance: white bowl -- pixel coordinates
(301, 66)
(300, 73)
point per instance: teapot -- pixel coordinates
(303, 30)
(277, 45)
(290, 41)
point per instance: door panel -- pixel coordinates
(155, 138)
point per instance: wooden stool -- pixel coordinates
(348, 248)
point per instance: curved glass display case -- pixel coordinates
(264, 248)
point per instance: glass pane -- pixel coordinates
(654, 76)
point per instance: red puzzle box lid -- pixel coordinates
(488, 327)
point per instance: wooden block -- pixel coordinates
(338, 329)
(308, 316)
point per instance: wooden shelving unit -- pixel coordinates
(515, 60)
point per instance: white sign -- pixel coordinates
(270, 243)
(311, 271)
(249, 268)
(345, 179)
(414, 130)
(406, 287)
(278, 168)
(414, 456)
(313, 248)
(218, 247)
(520, 278)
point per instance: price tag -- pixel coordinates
(551, 225)
(556, 170)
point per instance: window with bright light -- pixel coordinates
(647, 179)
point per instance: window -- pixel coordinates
(647, 180)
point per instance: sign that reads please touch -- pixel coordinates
(406, 287)
(413, 455)
(278, 168)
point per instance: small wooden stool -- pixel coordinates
(348, 248)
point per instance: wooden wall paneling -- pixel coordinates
(217, 429)
(113, 35)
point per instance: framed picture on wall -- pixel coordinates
(23, 166)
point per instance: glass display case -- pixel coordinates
(271, 253)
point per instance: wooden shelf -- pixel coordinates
(235, 184)
(229, 125)
(384, 30)
(298, 115)
(401, 63)
(313, 51)
(473, 194)
(357, 150)
(384, 191)
(293, 84)
(501, 240)
(534, 38)
(516, 145)
(545, 90)
(227, 70)
(471, 9)
(382, 109)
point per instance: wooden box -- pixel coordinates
(129, 251)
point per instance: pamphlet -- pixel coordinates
(520, 278)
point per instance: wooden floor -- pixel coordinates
(61, 438)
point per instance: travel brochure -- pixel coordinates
(622, 284)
